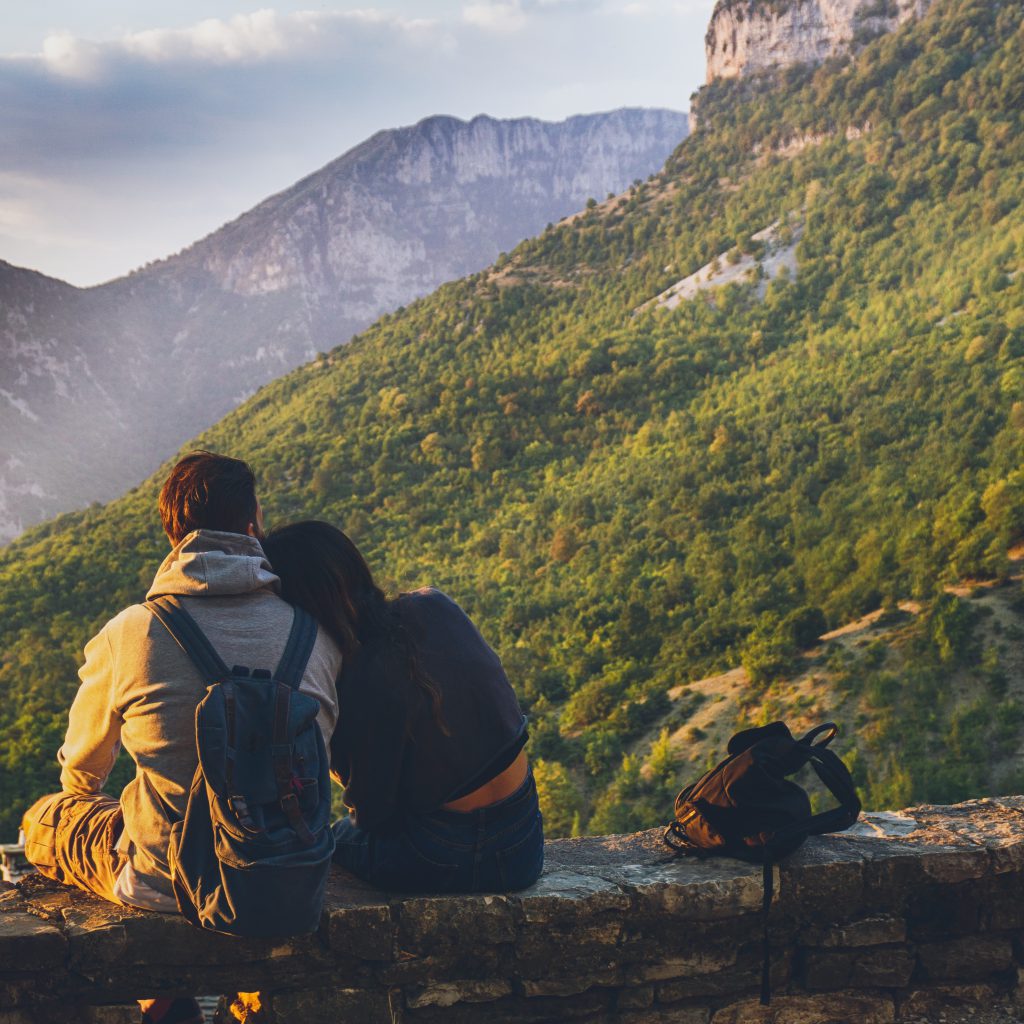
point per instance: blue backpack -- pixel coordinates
(253, 853)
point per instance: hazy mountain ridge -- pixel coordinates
(98, 385)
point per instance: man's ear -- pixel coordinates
(255, 529)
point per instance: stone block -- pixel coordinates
(48, 899)
(689, 890)
(730, 983)
(573, 984)
(834, 1008)
(542, 953)
(824, 878)
(124, 1014)
(955, 864)
(867, 931)
(635, 997)
(357, 919)
(1003, 900)
(891, 871)
(1008, 857)
(648, 938)
(31, 944)
(1004, 915)
(973, 958)
(830, 971)
(428, 925)
(448, 993)
(331, 1006)
(365, 932)
(933, 1001)
(698, 963)
(666, 1015)
(409, 969)
(936, 912)
(592, 1005)
(96, 946)
(567, 896)
(990, 823)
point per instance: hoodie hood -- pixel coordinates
(211, 563)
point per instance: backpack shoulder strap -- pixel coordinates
(297, 650)
(836, 776)
(171, 614)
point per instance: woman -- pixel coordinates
(430, 737)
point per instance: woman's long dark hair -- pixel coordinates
(323, 572)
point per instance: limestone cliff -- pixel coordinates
(747, 36)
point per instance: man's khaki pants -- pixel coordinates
(72, 839)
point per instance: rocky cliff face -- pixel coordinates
(97, 386)
(747, 36)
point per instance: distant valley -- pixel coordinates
(99, 385)
(744, 441)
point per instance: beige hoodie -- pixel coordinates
(139, 690)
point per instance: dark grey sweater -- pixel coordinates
(391, 755)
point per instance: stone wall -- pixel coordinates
(907, 913)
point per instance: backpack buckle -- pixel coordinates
(240, 809)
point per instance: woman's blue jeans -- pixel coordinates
(494, 849)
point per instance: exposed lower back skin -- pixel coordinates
(498, 788)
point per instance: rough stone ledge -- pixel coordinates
(908, 909)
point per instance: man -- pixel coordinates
(139, 689)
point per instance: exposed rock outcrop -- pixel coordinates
(747, 36)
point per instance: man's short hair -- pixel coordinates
(206, 491)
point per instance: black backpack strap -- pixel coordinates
(290, 670)
(283, 773)
(171, 614)
(836, 776)
(768, 890)
(837, 779)
(297, 650)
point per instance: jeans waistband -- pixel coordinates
(510, 806)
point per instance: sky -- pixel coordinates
(128, 130)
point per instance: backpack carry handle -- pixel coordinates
(828, 727)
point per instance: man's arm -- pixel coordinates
(93, 739)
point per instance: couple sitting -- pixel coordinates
(423, 728)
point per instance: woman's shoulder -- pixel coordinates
(428, 598)
(432, 609)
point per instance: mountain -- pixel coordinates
(98, 385)
(748, 36)
(776, 388)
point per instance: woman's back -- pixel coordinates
(394, 754)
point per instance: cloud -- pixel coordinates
(245, 38)
(501, 16)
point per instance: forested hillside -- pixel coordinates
(628, 500)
